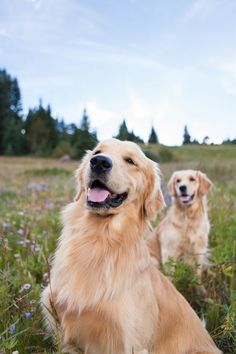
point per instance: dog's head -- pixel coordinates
(117, 173)
(186, 186)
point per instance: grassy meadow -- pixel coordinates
(32, 193)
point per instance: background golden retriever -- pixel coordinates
(183, 233)
(108, 295)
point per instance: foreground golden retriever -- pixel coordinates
(108, 296)
(183, 233)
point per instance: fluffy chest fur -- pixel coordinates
(184, 231)
(98, 281)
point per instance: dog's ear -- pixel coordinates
(153, 200)
(205, 183)
(171, 185)
(79, 177)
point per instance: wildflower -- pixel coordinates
(12, 328)
(23, 242)
(37, 186)
(27, 315)
(35, 248)
(5, 225)
(20, 232)
(21, 213)
(25, 287)
(49, 204)
(20, 242)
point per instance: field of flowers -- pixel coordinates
(32, 193)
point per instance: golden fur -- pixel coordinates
(183, 233)
(109, 296)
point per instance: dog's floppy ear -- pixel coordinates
(153, 200)
(79, 177)
(171, 185)
(205, 183)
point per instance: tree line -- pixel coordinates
(38, 133)
(41, 134)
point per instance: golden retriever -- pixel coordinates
(183, 233)
(108, 295)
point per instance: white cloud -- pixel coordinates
(105, 120)
(165, 114)
(137, 114)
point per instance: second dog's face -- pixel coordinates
(187, 185)
(116, 173)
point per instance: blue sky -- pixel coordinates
(166, 63)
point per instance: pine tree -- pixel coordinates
(153, 139)
(41, 131)
(83, 139)
(135, 138)
(85, 124)
(186, 136)
(123, 133)
(11, 123)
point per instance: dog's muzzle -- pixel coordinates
(99, 195)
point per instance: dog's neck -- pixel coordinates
(198, 207)
(109, 226)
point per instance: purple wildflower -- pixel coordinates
(12, 328)
(27, 315)
(49, 204)
(5, 225)
(25, 287)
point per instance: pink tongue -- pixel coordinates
(97, 195)
(185, 198)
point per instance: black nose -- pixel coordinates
(183, 189)
(100, 163)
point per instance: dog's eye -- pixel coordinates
(178, 180)
(192, 179)
(97, 152)
(129, 161)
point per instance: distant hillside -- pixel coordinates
(190, 152)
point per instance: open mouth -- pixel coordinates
(99, 196)
(186, 199)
